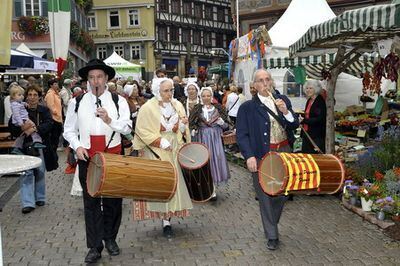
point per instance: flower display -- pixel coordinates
(369, 191)
(34, 26)
(384, 204)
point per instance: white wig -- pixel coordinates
(315, 84)
(155, 86)
(194, 85)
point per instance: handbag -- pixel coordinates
(28, 148)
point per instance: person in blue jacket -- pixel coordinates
(264, 124)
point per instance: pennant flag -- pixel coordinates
(59, 26)
(5, 32)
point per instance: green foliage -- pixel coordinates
(384, 157)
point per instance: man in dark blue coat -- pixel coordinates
(264, 124)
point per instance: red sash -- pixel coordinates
(98, 143)
(307, 113)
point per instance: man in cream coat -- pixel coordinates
(90, 129)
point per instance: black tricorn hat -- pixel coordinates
(96, 64)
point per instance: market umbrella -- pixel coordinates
(352, 33)
(314, 64)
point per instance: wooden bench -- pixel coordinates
(4, 128)
(7, 144)
(4, 135)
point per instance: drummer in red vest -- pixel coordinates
(264, 124)
(94, 123)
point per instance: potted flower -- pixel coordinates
(368, 193)
(383, 206)
(350, 192)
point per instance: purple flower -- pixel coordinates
(353, 187)
(389, 199)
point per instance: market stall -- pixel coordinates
(369, 138)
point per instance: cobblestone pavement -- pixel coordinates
(313, 230)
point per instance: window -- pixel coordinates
(209, 14)
(221, 15)
(175, 6)
(135, 51)
(207, 39)
(174, 34)
(186, 36)
(162, 33)
(114, 19)
(219, 40)
(197, 37)
(32, 7)
(101, 52)
(163, 5)
(187, 8)
(133, 18)
(119, 49)
(92, 21)
(198, 11)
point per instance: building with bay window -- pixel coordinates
(124, 27)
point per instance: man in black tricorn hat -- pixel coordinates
(95, 127)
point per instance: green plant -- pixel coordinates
(74, 31)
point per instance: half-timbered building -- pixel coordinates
(187, 31)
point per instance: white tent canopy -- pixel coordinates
(297, 19)
(23, 48)
(123, 68)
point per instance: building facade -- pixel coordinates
(40, 43)
(253, 14)
(187, 31)
(126, 28)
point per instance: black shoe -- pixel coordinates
(26, 210)
(273, 244)
(40, 203)
(92, 256)
(167, 231)
(290, 197)
(112, 247)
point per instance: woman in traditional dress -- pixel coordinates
(207, 121)
(160, 126)
(314, 120)
(192, 94)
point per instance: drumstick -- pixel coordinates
(190, 159)
(267, 175)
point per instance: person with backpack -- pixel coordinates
(96, 126)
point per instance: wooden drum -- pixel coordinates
(194, 159)
(112, 175)
(273, 174)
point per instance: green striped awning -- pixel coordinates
(364, 25)
(316, 63)
(218, 69)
